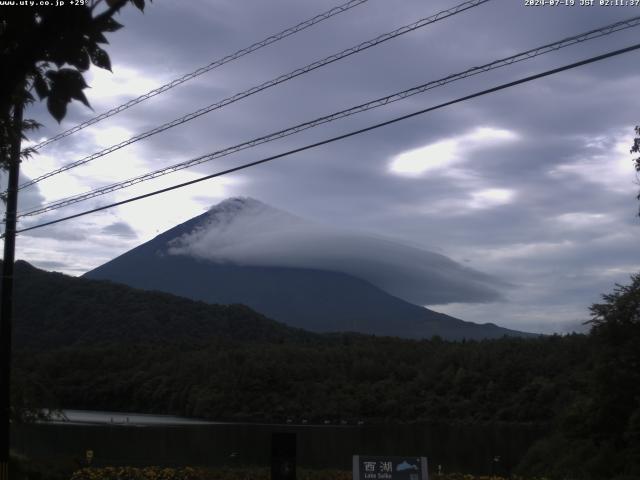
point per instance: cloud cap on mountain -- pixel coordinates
(246, 232)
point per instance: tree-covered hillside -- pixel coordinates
(343, 377)
(96, 345)
(598, 436)
(54, 310)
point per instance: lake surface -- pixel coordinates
(89, 417)
(175, 441)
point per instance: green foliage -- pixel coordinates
(147, 473)
(375, 379)
(9, 134)
(188, 473)
(615, 395)
(54, 310)
(619, 313)
(47, 49)
(635, 148)
(28, 395)
(557, 457)
(600, 431)
(97, 345)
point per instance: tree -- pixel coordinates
(43, 49)
(616, 331)
(612, 414)
(635, 148)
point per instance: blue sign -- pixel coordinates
(389, 468)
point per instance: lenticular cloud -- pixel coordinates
(247, 232)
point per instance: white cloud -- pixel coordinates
(491, 197)
(435, 156)
(107, 136)
(479, 199)
(606, 163)
(582, 219)
(121, 164)
(440, 155)
(524, 250)
(126, 82)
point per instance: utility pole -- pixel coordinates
(6, 303)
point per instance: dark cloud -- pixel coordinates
(62, 233)
(119, 229)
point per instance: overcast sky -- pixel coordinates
(533, 185)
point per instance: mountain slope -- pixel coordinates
(53, 310)
(309, 298)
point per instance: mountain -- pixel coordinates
(52, 310)
(305, 275)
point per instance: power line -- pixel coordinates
(280, 79)
(207, 68)
(592, 34)
(343, 136)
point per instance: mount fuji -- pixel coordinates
(307, 275)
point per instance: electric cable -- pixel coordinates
(207, 68)
(263, 86)
(532, 53)
(341, 137)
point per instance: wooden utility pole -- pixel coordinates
(6, 303)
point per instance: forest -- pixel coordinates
(98, 345)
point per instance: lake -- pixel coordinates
(90, 417)
(139, 440)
